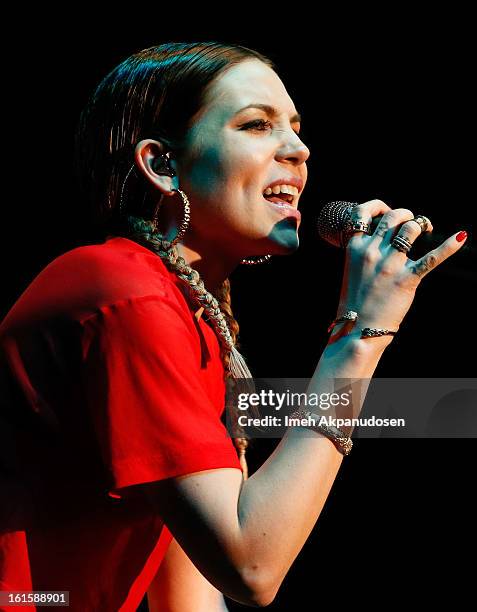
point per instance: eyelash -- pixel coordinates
(261, 122)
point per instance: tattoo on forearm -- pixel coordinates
(424, 265)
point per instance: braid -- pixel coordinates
(222, 294)
(217, 306)
(224, 299)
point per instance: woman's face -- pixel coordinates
(233, 154)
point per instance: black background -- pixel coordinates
(387, 114)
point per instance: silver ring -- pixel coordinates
(423, 222)
(401, 244)
(359, 226)
(354, 226)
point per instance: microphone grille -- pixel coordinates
(332, 219)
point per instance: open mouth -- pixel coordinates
(283, 207)
(281, 199)
(279, 196)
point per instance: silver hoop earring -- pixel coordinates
(185, 220)
(253, 262)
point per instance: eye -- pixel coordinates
(261, 125)
(258, 124)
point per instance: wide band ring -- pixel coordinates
(360, 226)
(355, 226)
(423, 222)
(401, 244)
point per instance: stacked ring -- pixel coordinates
(401, 244)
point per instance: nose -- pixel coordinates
(293, 150)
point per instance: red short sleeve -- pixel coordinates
(154, 406)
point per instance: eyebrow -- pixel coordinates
(271, 111)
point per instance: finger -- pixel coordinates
(410, 231)
(388, 225)
(365, 212)
(434, 258)
(429, 227)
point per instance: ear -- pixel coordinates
(146, 152)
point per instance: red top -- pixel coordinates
(107, 380)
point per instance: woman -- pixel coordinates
(120, 478)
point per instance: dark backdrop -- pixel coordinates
(387, 114)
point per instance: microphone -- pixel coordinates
(334, 216)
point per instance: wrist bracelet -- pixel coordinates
(341, 441)
(349, 315)
(374, 332)
(366, 332)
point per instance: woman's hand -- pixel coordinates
(379, 281)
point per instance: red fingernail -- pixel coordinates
(461, 236)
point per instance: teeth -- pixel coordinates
(290, 189)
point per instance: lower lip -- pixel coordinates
(285, 209)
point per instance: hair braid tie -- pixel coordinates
(241, 444)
